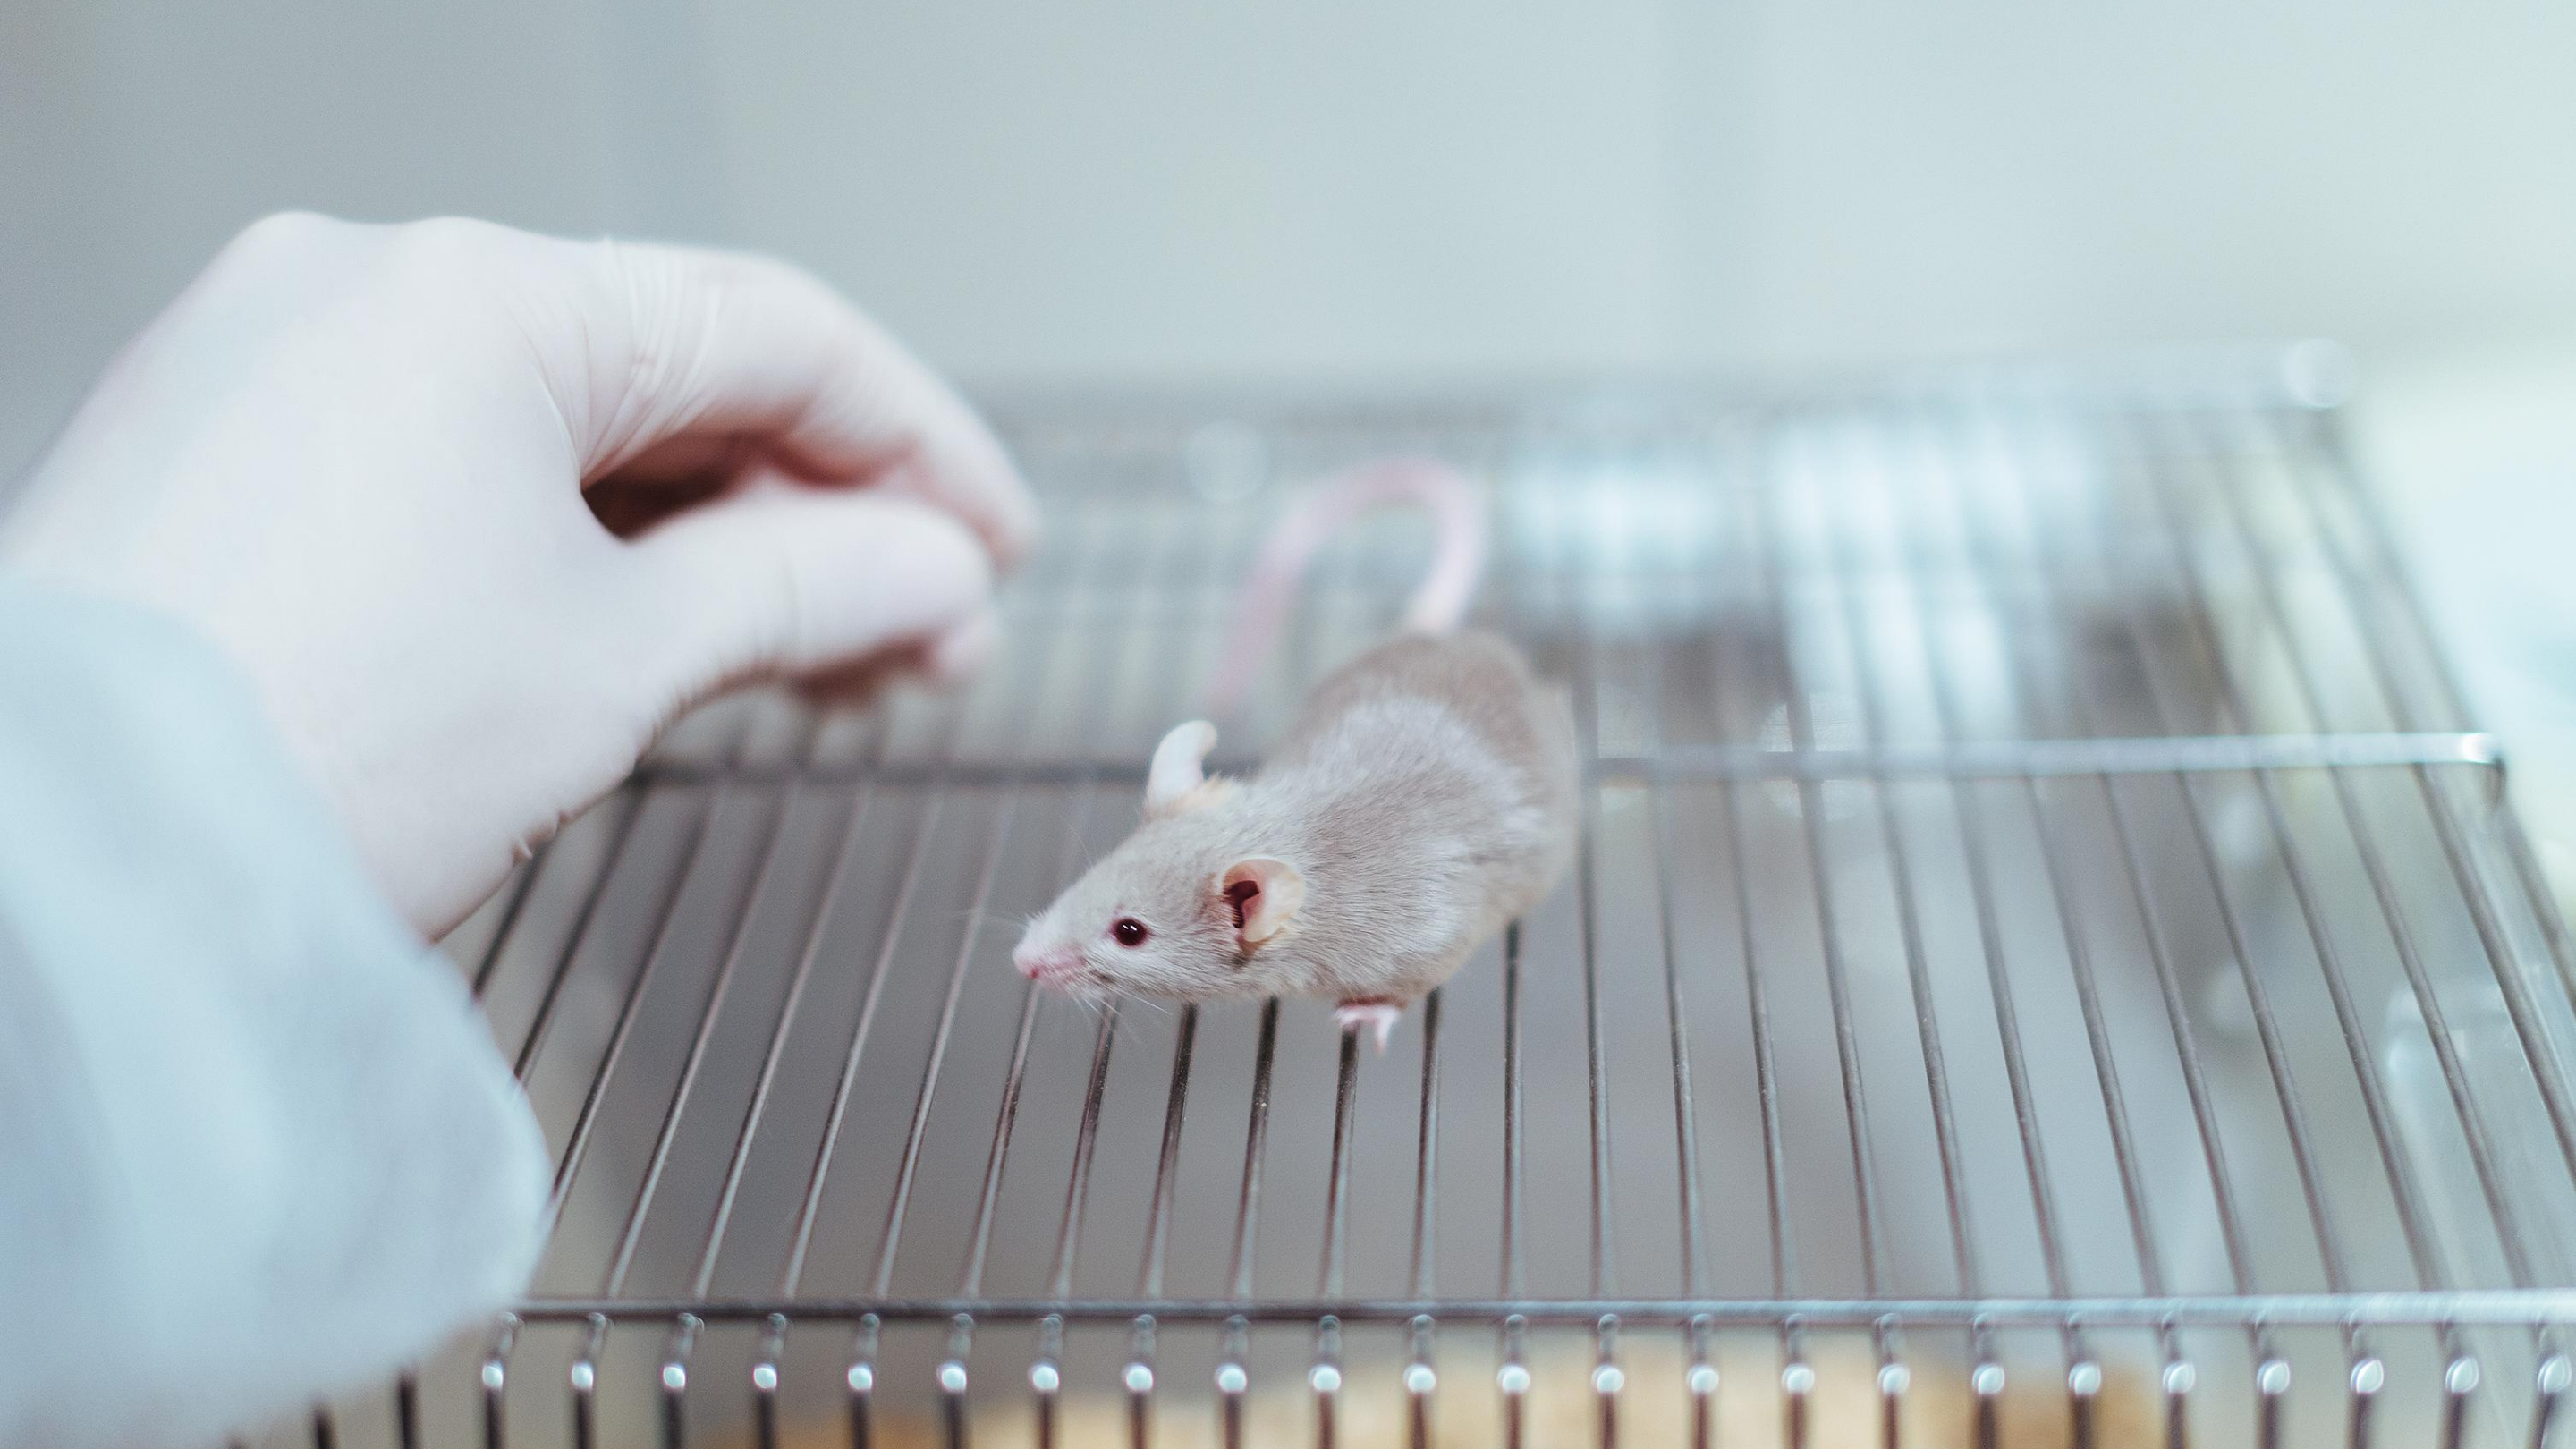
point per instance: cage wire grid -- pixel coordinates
(2050, 962)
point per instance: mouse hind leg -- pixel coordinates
(1373, 1013)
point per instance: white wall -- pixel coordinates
(1343, 188)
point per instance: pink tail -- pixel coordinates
(1457, 509)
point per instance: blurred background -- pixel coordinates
(1357, 193)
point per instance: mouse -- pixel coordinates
(1427, 793)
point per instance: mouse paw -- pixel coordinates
(1382, 1015)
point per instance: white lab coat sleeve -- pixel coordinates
(256, 1143)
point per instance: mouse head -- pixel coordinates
(1187, 907)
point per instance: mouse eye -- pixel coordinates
(1128, 931)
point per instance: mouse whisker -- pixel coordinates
(1147, 1002)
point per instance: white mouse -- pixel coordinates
(1427, 794)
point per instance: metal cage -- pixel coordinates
(2050, 963)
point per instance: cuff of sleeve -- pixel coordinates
(256, 1142)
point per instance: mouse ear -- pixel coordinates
(1263, 895)
(1175, 782)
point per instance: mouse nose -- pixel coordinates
(1038, 963)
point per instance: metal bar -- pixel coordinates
(968, 940)
(2502, 960)
(1936, 1074)
(1969, 814)
(1005, 1120)
(1138, 1379)
(1515, 1213)
(2551, 1377)
(709, 1010)
(2459, 1381)
(765, 1381)
(1046, 1378)
(2327, 441)
(2275, 1052)
(584, 1379)
(1337, 1188)
(1784, 1260)
(1077, 1186)
(1232, 1382)
(2366, 1372)
(2404, 1191)
(2536, 889)
(793, 1273)
(1596, 1065)
(493, 1379)
(1420, 1382)
(543, 1023)
(2176, 1384)
(2088, 992)
(2364, 601)
(1256, 1137)
(1426, 1152)
(1574, 598)
(1687, 763)
(1811, 820)
(1797, 1389)
(1987, 1378)
(924, 831)
(1893, 1381)
(1608, 1379)
(2486, 1306)
(2272, 1374)
(2124, 1149)
(674, 1381)
(2083, 1389)
(1701, 1381)
(971, 1279)
(2550, 1383)
(1515, 1184)
(520, 890)
(1325, 1377)
(579, 1142)
(842, 853)
(1893, 1378)
(952, 1379)
(2265, 1021)
(2367, 1378)
(1986, 1382)
(2187, 1056)
(2383, 890)
(1542, 413)
(1694, 1237)
(1159, 1217)
(407, 1410)
(862, 1381)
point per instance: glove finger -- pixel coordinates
(685, 355)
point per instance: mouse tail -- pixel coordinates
(1439, 604)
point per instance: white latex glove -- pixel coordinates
(355, 458)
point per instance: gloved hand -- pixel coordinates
(361, 460)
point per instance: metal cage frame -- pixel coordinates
(2178, 733)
